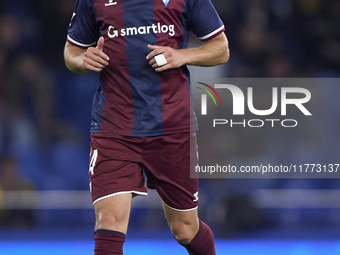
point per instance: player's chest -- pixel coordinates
(138, 12)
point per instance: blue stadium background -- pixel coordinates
(44, 134)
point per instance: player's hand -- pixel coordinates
(94, 57)
(174, 58)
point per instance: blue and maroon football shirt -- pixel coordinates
(133, 99)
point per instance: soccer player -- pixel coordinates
(143, 123)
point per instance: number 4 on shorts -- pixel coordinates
(93, 161)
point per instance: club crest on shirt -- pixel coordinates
(166, 2)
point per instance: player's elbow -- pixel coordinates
(222, 56)
(71, 65)
(223, 50)
(68, 64)
(73, 68)
(225, 55)
(73, 58)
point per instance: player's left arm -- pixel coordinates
(212, 52)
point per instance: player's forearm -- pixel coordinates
(73, 57)
(211, 53)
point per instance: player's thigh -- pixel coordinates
(114, 168)
(168, 167)
(113, 213)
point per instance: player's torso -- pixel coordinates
(140, 22)
(138, 98)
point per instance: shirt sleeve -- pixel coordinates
(203, 19)
(83, 30)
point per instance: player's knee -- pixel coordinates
(113, 213)
(107, 220)
(184, 232)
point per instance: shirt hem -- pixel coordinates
(146, 134)
(213, 34)
(76, 43)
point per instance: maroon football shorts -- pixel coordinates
(119, 164)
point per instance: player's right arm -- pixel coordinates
(81, 60)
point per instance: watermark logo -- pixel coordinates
(240, 101)
(204, 97)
